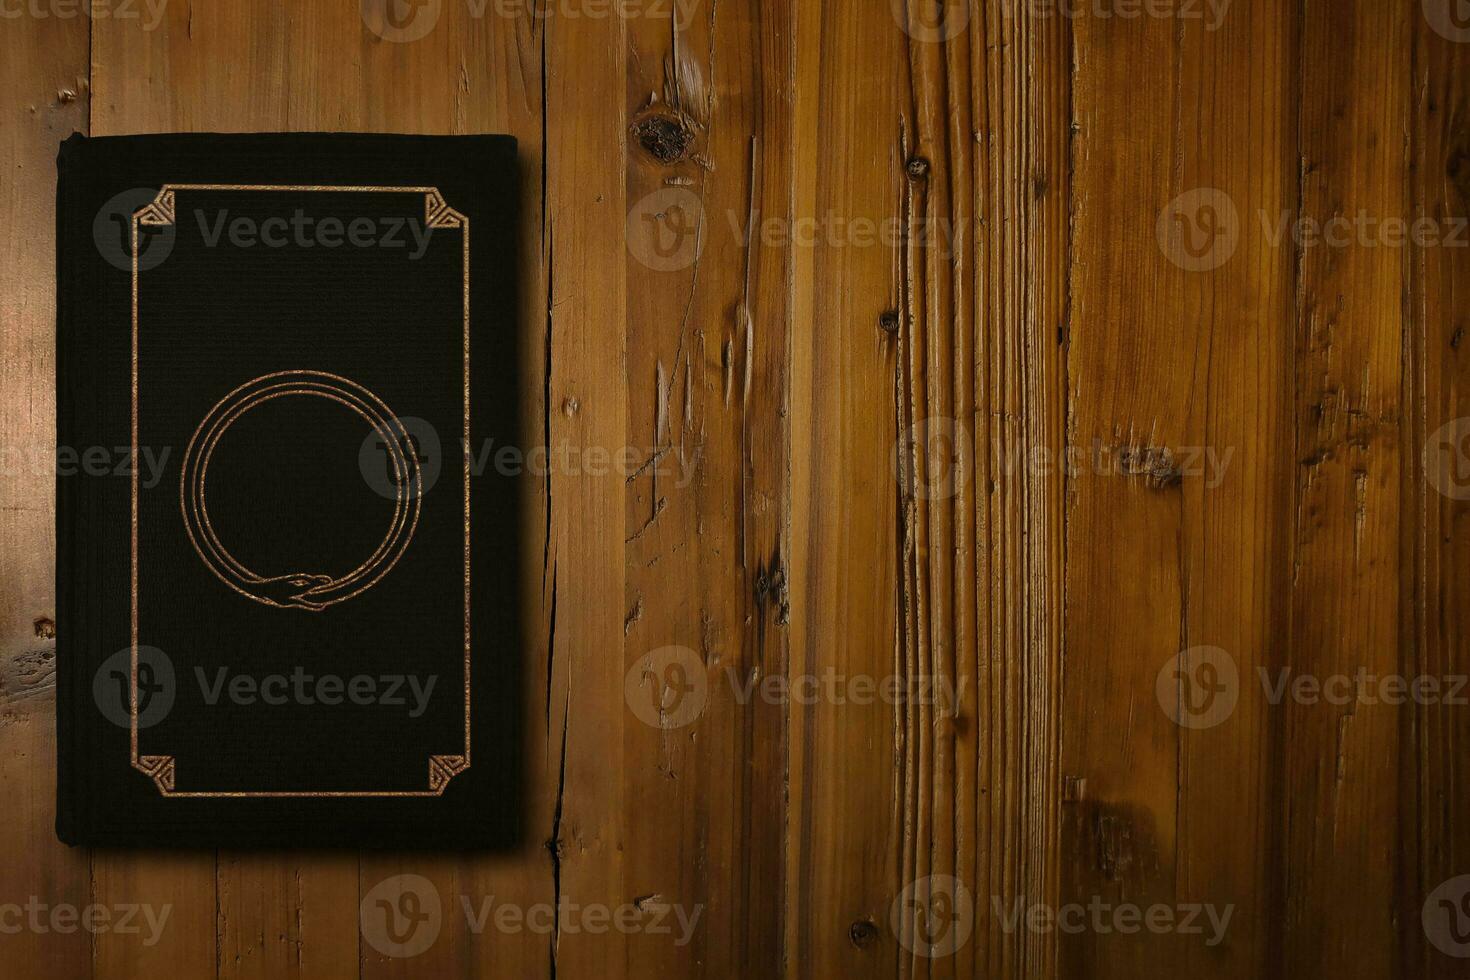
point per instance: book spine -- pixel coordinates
(68, 683)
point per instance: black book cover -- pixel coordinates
(287, 569)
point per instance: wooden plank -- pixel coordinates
(1124, 573)
(43, 74)
(229, 67)
(1177, 517)
(1022, 126)
(933, 462)
(331, 66)
(1342, 761)
(483, 72)
(1437, 393)
(274, 912)
(709, 93)
(846, 818)
(178, 885)
(501, 89)
(586, 548)
(320, 69)
(346, 69)
(233, 67)
(963, 380)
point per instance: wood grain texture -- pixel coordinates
(971, 358)
(928, 557)
(1177, 528)
(1432, 774)
(1341, 762)
(43, 78)
(709, 93)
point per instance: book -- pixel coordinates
(287, 567)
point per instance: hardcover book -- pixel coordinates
(287, 572)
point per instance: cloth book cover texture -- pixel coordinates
(287, 564)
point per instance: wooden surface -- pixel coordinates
(964, 230)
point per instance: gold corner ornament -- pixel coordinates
(160, 211)
(159, 768)
(443, 768)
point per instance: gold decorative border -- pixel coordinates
(162, 769)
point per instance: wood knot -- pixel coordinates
(1156, 464)
(918, 168)
(665, 138)
(862, 933)
(888, 321)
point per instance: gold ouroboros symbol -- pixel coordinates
(313, 591)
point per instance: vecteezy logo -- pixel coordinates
(667, 688)
(1446, 917)
(665, 229)
(1447, 459)
(112, 231)
(931, 21)
(1198, 687)
(401, 916)
(381, 463)
(1199, 230)
(310, 590)
(1449, 18)
(933, 916)
(930, 461)
(156, 687)
(401, 21)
